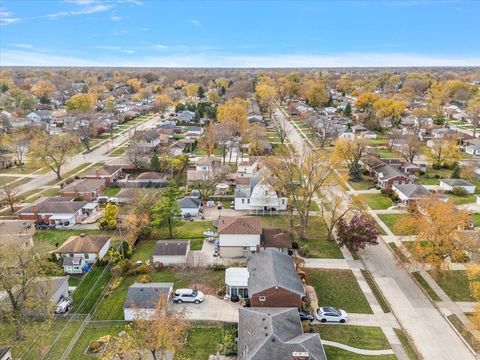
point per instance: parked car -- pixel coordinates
(188, 295)
(44, 226)
(63, 305)
(305, 315)
(330, 314)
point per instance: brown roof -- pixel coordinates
(151, 176)
(176, 247)
(239, 225)
(104, 170)
(83, 186)
(83, 244)
(242, 180)
(53, 207)
(277, 238)
(208, 161)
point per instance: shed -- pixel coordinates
(171, 251)
(236, 280)
(142, 299)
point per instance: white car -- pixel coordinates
(330, 314)
(188, 296)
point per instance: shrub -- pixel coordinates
(437, 176)
(95, 346)
(394, 197)
(142, 269)
(218, 267)
(295, 245)
(307, 327)
(158, 266)
(304, 251)
(144, 278)
(459, 191)
(229, 344)
(460, 257)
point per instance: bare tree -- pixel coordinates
(84, 126)
(281, 126)
(322, 127)
(136, 153)
(9, 195)
(411, 148)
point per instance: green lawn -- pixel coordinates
(387, 154)
(202, 342)
(209, 281)
(112, 191)
(93, 332)
(362, 337)
(89, 289)
(144, 248)
(184, 230)
(366, 184)
(118, 151)
(377, 201)
(461, 200)
(28, 168)
(433, 176)
(316, 238)
(398, 252)
(425, 286)
(66, 335)
(391, 220)
(338, 288)
(70, 173)
(455, 283)
(58, 236)
(465, 333)
(334, 353)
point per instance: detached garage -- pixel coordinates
(142, 299)
(171, 252)
(450, 184)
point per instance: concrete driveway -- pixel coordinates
(212, 308)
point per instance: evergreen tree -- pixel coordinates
(347, 112)
(200, 92)
(155, 163)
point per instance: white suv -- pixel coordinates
(188, 296)
(331, 314)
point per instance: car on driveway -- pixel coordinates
(331, 314)
(188, 296)
(305, 315)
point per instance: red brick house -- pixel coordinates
(273, 281)
(387, 176)
(87, 189)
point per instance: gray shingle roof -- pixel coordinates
(271, 268)
(275, 333)
(413, 191)
(146, 296)
(53, 207)
(172, 247)
(388, 172)
(457, 182)
(189, 203)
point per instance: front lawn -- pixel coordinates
(316, 236)
(362, 337)
(57, 237)
(365, 184)
(455, 283)
(391, 221)
(377, 201)
(462, 200)
(338, 288)
(207, 280)
(334, 353)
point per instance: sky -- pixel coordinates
(239, 33)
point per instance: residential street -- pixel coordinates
(434, 338)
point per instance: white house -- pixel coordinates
(5, 353)
(171, 252)
(90, 248)
(239, 236)
(147, 139)
(142, 299)
(190, 207)
(34, 117)
(248, 168)
(450, 184)
(236, 282)
(473, 149)
(258, 195)
(74, 264)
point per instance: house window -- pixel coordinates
(248, 201)
(76, 268)
(85, 256)
(262, 298)
(243, 201)
(283, 201)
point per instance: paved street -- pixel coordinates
(433, 336)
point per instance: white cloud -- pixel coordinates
(33, 58)
(195, 22)
(83, 11)
(144, 29)
(160, 47)
(80, 2)
(116, 18)
(24, 46)
(134, 2)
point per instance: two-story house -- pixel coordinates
(239, 236)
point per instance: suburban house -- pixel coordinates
(147, 139)
(236, 282)
(258, 195)
(205, 169)
(142, 299)
(410, 193)
(17, 233)
(276, 239)
(58, 211)
(109, 173)
(450, 184)
(149, 179)
(87, 189)
(74, 265)
(171, 252)
(190, 207)
(273, 280)
(90, 248)
(239, 236)
(248, 168)
(276, 334)
(387, 176)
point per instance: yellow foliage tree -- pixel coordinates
(265, 93)
(234, 114)
(191, 89)
(81, 102)
(134, 84)
(43, 88)
(316, 94)
(444, 151)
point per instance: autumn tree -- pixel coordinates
(436, 239)
(265, 94)
(300, 176)
(109, 220)
(350, 152)
(43, 89)
(316, 94)
(473, 110)
(234, 113)
(191, 90)
(411, 148)
(357, 232)
(53, 151)
(135, 85)
(82, 102)
(282, 127)
(257, 139)
(20, 280)
(473, 276)
(443, 151)
(16, 142)
(162, 102)
(167, 210)
(323, 128)
(207, 141)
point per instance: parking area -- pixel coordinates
(212, 309)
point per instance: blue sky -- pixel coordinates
(240, 33)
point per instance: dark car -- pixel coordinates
(305, 315)
(44, 226)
